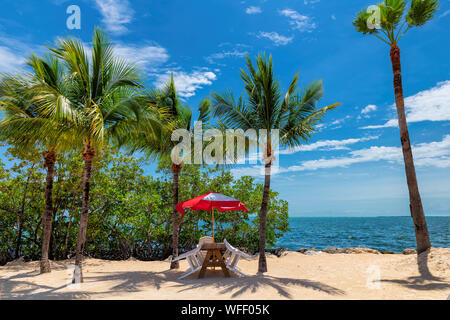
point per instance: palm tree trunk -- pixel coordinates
(88, 155)
(49, 163)
(175, 222)
(416, 208)
(262, 266)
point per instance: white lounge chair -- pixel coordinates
(194, 259)
(201, 242)
(232, 256)
(206, 239)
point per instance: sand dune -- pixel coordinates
(293, 276)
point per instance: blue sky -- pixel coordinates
(353, 166)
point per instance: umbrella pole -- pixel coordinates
(212, 212)
(214, 254)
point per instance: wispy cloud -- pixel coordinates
(327, 145)
(253, 10)
(306, 2)
(427, 105)
(298, 21)
(116, 14)
(277, 39)
(446, 13)
(369, 109)
(235, 53)
(338, 122)
(13, 53)
(431, 154)
(10, 61)
(146, 56)
(188, 83)
(365, 112)
(436, 154)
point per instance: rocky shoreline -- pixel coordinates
(279, 252)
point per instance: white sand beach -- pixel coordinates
(292, 276)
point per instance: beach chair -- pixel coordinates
(232, 256)
(203, 240)
(194, 259)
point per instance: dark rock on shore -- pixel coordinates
(334, 250)
(279, 252)
(302, 250)
(387, 252)
(410, 251)
(359, 250)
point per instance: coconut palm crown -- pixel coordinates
(264, 107)
(25, 100)
(153, 136)
(104, 100)
(390, 23)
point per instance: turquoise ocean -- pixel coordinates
(381, 233)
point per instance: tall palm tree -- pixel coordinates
(155, 139)
(294, 114)
(391, 27)
(104, 99)
(26, 124)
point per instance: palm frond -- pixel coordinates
(421, 12)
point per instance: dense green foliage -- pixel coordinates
(130, 212)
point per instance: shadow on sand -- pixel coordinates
(136, 281)
(425, 280)
(239, 286)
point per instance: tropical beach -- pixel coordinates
(292, 276)
(130, 173)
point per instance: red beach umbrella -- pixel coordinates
(210, 201)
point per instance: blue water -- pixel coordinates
(381, 233)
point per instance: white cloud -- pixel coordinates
(339, 121)
(298, 21)
(278, 39)
(427, 105)
(431, 154)
(226, 54)
(365, 112)
(116, 14)
(326, 145)
(188, 83)
(145, 56)
(253, 10)
(390, 124)
(10, 61)
(306, 2)
(436, 154)
(446, 13)
(369, 109)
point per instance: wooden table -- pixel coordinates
(214, 258)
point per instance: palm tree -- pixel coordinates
(294, 114)
(26, 124)
(104, 100)
(391, 27)
(155, 141)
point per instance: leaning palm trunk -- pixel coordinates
(175, 227)
(262, 266)
(47, 217)
(88, 155)
(416, 208)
